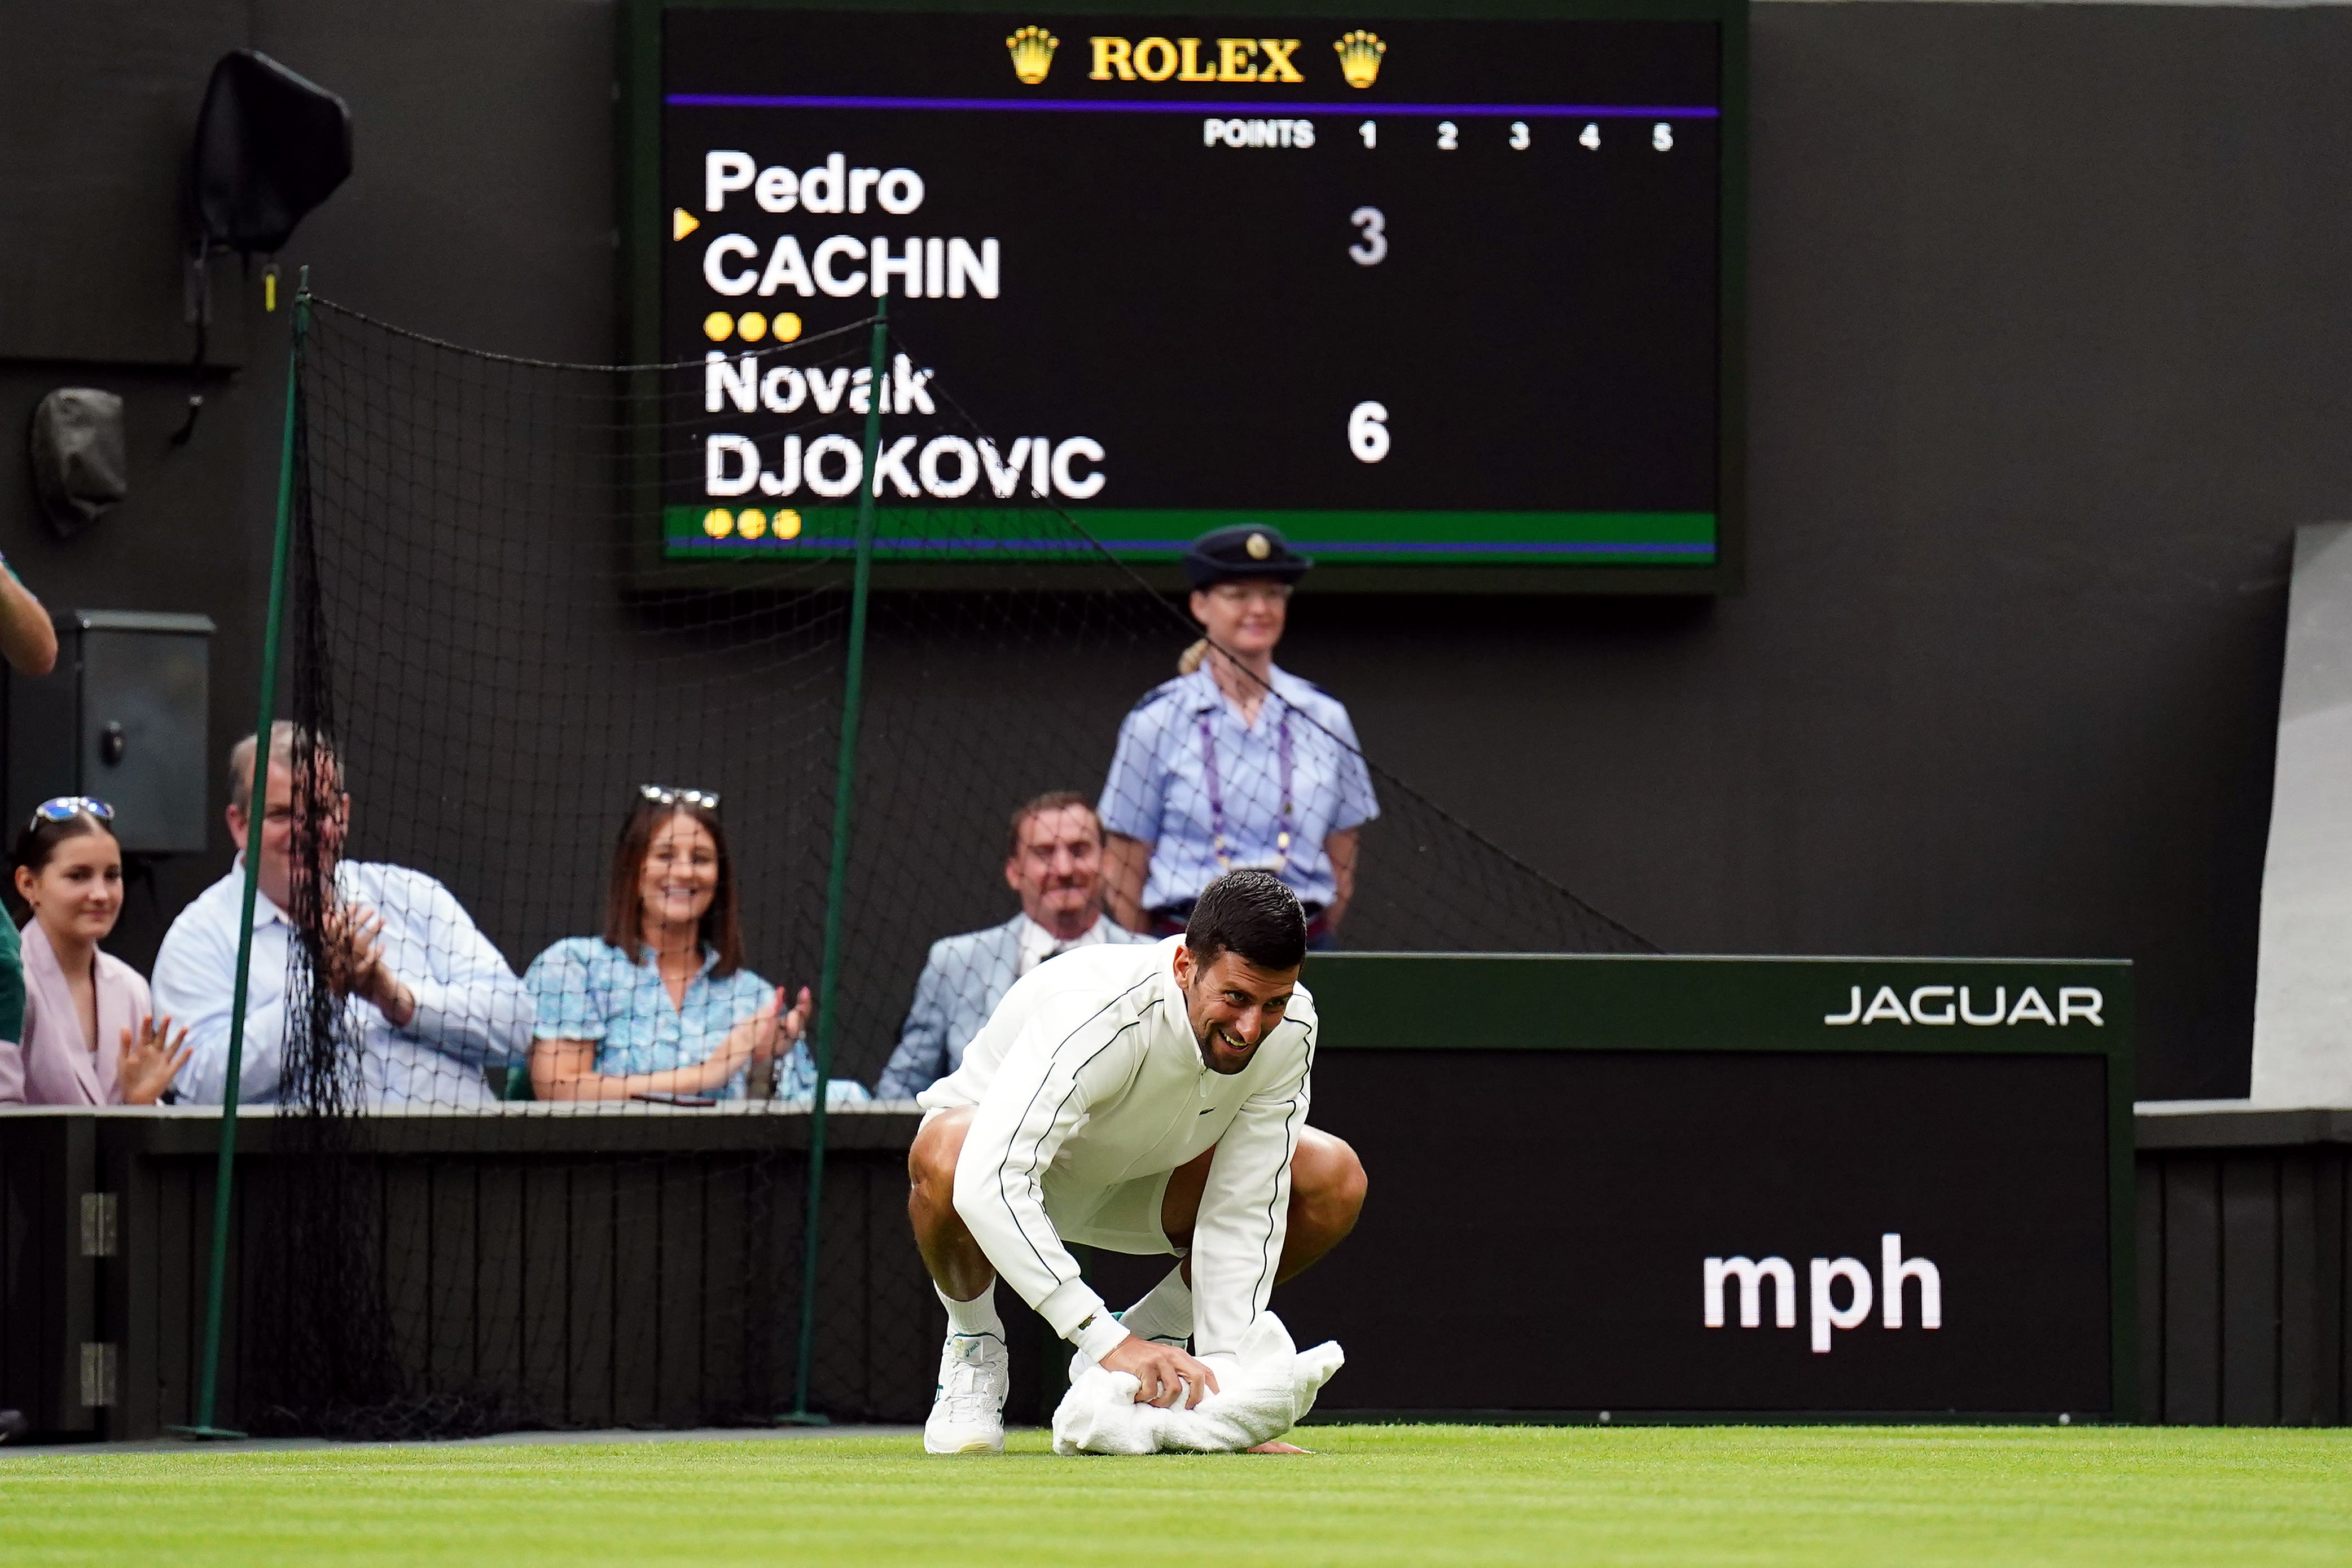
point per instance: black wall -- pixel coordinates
(2048, 362)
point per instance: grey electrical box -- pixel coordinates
(121, 717)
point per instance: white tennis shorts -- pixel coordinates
(1124, 1218)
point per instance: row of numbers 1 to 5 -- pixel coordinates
(1449, 135)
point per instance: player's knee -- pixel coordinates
(1333, 1192)
(931, 1161)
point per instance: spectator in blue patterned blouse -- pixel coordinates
(660, 1004)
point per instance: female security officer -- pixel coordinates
(1235, 762)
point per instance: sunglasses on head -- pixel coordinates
(66, 808)
(663, 795)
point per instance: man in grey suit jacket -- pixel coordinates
(1054, 860)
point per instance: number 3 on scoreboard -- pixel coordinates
(1368, 432)
(1373, 248)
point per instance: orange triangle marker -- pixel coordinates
(682, 222)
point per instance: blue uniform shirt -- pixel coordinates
(1157, 789)
(585, 988)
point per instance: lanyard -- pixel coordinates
(1217, 796)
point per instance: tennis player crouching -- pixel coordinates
(1145, 1100)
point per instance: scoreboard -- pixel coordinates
(1453, 300)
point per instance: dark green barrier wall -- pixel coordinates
(1558, 1144)
(2241, 1244)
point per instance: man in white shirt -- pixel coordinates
(1053, 859)
(429, 999)
(1144, 1100)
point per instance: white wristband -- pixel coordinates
(1098, 1337)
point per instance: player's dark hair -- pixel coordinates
(1051, 800)
(1250, 913)
(623, 900)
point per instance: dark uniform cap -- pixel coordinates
(1246, 552)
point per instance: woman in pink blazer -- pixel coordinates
(91, 1037)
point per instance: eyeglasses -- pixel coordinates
(664, 795)
(66, 808)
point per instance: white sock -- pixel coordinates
(977, 1315)
(1164, 1312)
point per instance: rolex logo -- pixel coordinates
(1032, 54)
(1359, 56)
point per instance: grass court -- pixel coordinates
(1812, 1496)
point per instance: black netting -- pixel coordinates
(489, 655)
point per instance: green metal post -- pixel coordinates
(837, 885)
(215, 1293)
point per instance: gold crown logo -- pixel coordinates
(1359, 56)
(1032, 54)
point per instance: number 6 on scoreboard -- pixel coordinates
(1368, 432)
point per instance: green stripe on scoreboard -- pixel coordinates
(725, 532)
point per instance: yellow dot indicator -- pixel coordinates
(750, 326)
(718, 326)
(787, 326)
(718, 522)
(787, 522)
(751, 525)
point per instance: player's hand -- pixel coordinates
(1277, 1447)
(1166, 1374)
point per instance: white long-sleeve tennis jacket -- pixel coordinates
(1087, 1076)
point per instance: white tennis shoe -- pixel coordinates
(968, 1411)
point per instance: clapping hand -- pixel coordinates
(350, 935)
(150, 1061)
(795, 1023)
(751, 1041)
(757, 1041)
(347, 934)
(791, 1028)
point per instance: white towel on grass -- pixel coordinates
(1273, 1390)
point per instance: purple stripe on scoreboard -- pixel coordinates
(1221, 110)
(1323, 547)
